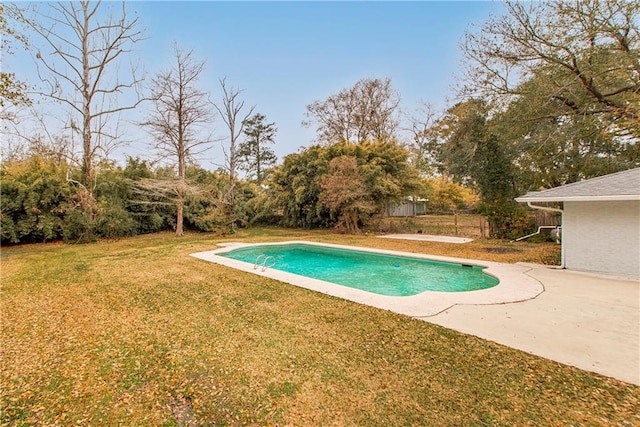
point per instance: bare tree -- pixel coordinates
(367, 111)
(82, 70)
(234, 115)
(178, 122)
(31, 130)
(424, 141)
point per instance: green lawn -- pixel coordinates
(136, 332)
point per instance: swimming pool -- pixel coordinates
(382, 274)
(513, 284)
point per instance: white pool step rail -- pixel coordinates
(264, 261)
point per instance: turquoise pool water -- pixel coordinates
(378, 273)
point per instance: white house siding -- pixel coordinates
(602, 237)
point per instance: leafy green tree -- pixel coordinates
(263, 207)
(560, 84)
(112, 216)
(472, 153)
(555, 99)
(459, 133)
(386, 170)
(205, 209)
(308, 198)
(149, 214)
(295, 188)
(494, 175)
(112, 193)
(254, 153)
(40, 203)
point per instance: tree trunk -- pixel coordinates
(179, 215)
(231, 111)
(232, 185)
(182, 169)
(258, 168)
(87, 156)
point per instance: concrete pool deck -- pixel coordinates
(587, 321)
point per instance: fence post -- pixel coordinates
(455, 221)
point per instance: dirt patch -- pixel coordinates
(502, 250)
(182, 411)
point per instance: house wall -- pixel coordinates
(602, 237)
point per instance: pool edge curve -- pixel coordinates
(515, 285)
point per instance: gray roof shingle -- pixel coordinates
(616, 186)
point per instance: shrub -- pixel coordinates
(115, 221)
(34, 193)
(78, 227)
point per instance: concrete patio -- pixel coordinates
(583, 320)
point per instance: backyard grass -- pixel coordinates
(136, 332)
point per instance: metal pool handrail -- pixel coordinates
(265, 259)
(258, 258)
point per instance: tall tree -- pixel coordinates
(556, 151)
(345, 193)
(368, 111)
(584, 56)
(494, 175)
(234, 115)
(178, 123)
(424, 142)
(459, 133)
(87, 46)
(254, 152)
(472, 153)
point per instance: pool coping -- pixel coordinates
(515, 285)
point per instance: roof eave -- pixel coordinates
(612, 198)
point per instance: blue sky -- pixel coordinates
(285, 55)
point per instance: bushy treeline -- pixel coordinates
(346, 186)
(42, 201)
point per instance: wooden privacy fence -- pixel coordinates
(542, 218)
(461, 223)
(546, 218)
(450, 223)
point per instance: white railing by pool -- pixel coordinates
(265, 260)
